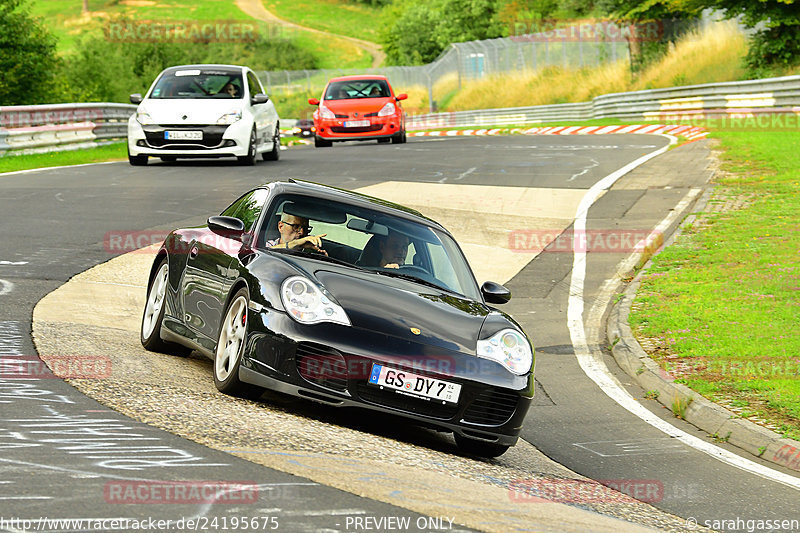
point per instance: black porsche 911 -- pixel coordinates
(347, 300)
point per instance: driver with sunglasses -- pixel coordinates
(294, 233)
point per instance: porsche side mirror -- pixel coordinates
(494, 293)
(313, 101)
(260, 98)
(230, 227)
(136, 98)
(401, 96)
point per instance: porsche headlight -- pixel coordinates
(144, 118)
(230, 117)
(510, 348)
(324, 112)
(388, 110)
(307, 304)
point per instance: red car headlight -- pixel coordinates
(324, 112)
(388, 110)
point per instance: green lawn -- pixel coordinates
(110, 152)
(723, 303)
(335, 16)
(65, 21)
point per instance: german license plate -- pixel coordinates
(414, 384)
(356, 123)
(183, 135)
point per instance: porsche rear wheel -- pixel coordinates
(230, 347)
(153, 316)
(479, 447)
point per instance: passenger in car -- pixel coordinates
(294, 234)
(231, 90)
(394, 249)
(376, 91)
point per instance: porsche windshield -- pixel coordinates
(199, 83)
(371, 240)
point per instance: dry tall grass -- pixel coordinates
(712, 55)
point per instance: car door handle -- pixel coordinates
(193, 252)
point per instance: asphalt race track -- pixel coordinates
(54, 225)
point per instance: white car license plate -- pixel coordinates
(183, 135)
(356, 123)
(414, 384)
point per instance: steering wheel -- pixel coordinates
(414, 268)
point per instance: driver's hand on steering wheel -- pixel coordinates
(310, 243)
(391, 265)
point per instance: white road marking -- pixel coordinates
(466, 173)
(594, 164)
(13, 263)
(5, 287)
(590, 359)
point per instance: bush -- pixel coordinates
(28, 60)
(100, 72)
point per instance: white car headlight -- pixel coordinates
(510, 348)
(388, 110)
(307, 304)
(324, 112)
(144, 118)
(230, 117)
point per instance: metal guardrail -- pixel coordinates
(47, 128)
(769, 95)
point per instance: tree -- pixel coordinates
(28, 60)
(776, 41)
(642, 17)
(417, 31)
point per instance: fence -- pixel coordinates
(28, 129)
(45, 128)
(772, 95)
(571, 47)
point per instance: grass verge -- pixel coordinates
(334, 16)
(721, 305)
(109, 152)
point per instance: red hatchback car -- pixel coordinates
(359, 108)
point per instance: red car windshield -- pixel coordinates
(345, 90)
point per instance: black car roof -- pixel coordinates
(362, 200)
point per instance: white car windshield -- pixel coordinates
(199, 84)
(373, 240)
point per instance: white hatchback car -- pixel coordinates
(204, 111)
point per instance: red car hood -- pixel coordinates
(360, 105)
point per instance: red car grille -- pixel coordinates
(365, 129)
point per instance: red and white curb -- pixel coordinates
(689, 132)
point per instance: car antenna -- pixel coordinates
(291, 180)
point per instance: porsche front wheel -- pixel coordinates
(230, 347)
